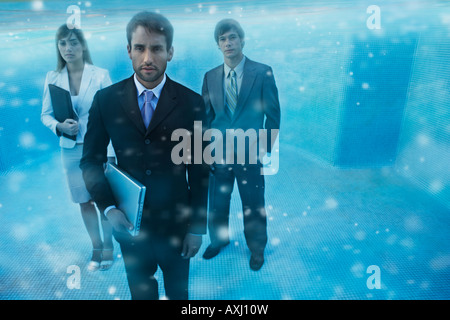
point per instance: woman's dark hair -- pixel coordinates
(64, 32)
(153, 22)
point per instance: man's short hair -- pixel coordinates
(153, 22)
(225, 25)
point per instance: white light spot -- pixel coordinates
(360, 235)
(423, 139)
(222, 233)
(20, 232)
(275, 241)
(331, 203)
(212, 10)
(358, 270)
(37, 5)
(407, 243)
(440, 263)
(436, 186)
(413, 224)
(27, 140)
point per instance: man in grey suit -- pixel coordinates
(239, 95)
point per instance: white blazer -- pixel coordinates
(92, 80)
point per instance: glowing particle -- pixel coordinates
(37, 5)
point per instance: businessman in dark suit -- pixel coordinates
(239, 94)
(139, 115)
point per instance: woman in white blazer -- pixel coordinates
(76, 74)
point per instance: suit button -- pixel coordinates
(148, 172)
(147, 141)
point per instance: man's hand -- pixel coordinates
(191, 245)
(119, 221)
(69, 126)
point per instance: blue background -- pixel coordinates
(365, 118)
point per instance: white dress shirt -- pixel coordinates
(239, 69)
(156, 92)
(154, 102)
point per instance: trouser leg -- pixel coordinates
(174, 267)
(251, 190)
(221, 188)
(140, 265)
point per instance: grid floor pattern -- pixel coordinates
(326, 226)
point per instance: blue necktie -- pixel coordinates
(147, 109)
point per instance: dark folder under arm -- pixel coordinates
(129, 194)
(62, 106)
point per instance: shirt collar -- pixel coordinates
(156, 90)
(239, 69)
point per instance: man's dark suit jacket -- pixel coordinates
(176, 197)
(257, 106)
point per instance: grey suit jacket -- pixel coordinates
(257, 108)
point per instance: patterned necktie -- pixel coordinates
(147, 109)
(232, 92)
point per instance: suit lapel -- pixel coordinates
(167, 101)
(84, 86)
(85, 82)
(246, 87)
(64, 79)
(216, 93)
(63, 82)
(129, 103)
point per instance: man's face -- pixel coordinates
(231, 44)
(149, 55)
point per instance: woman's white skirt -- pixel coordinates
(71, 165)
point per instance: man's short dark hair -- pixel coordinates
(153, 22)
(225, 25)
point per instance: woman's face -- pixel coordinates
(71, 49)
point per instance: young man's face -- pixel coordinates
(149, 55)
(231, 44)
